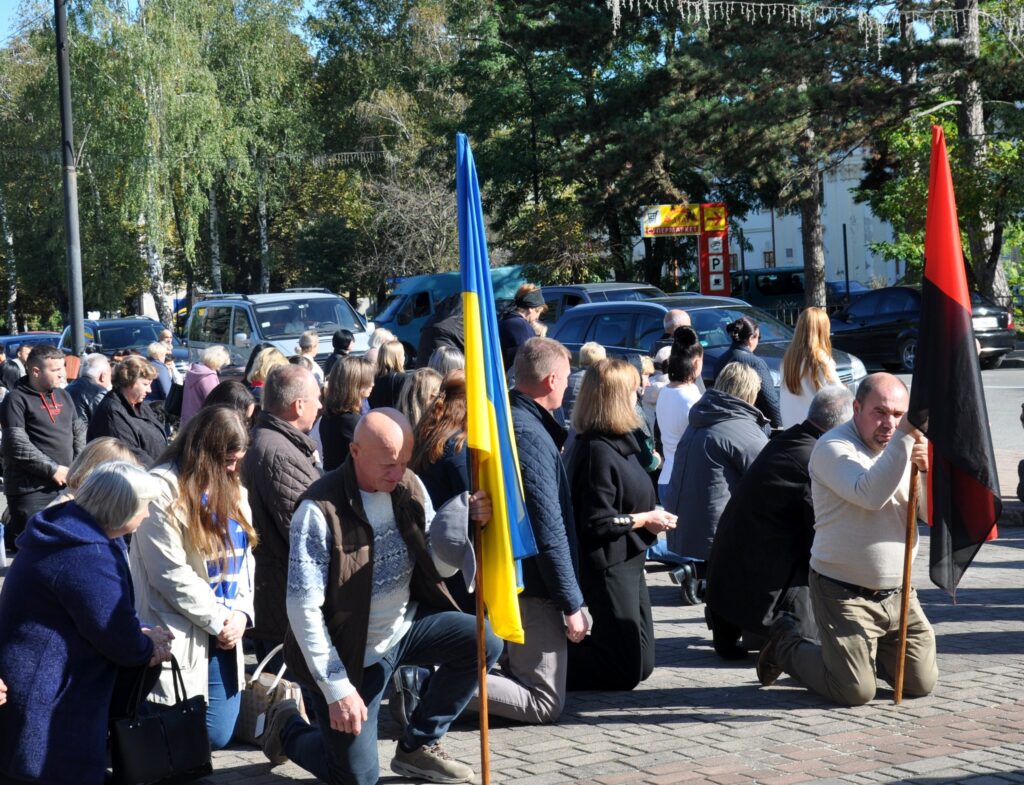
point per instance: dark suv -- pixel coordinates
(561, 298)
(881, 326)
(626, 329)
(130, 332)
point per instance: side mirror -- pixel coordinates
(240, 339)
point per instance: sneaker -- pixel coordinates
(430, 763)
(277, 718)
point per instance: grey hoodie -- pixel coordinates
(724, 437)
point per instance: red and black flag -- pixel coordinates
(947, 401)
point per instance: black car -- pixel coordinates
(130, 332)
(10, 343)
(881, 327)
(631, 328)
(561, 298)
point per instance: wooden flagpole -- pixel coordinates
(908, 558)
(481, 638)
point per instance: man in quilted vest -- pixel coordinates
(365, 596)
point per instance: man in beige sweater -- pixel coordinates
(860, 487)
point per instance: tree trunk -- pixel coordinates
(150, 257)
(12, 271)
(261, 219)
(621, 261)
(984, 238)
(215, 278)
(812, 236)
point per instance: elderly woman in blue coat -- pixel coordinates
(69, 632)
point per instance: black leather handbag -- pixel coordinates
(165, 744)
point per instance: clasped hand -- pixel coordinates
(232, 631)
(161, 644)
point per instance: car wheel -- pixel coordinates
(988, 363)
(907, 351)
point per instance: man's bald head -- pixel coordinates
(675, 319)
(381, 449)
(880, 405)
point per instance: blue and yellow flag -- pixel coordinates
(508, 536)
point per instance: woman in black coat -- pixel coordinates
(125, 415)
(349, 384)
(745, 334)
(616, 520)
(387, 385)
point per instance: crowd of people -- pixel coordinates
(330, 513)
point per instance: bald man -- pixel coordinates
(860, 489)
(365, 596)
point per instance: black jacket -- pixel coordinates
(136, 426)
(336, 432)
(448, 476)
(768, 398)
(386, 389)
(608, 482)
(87, 395)
(763, 542)
(553, 572)
(277, 469)
(331, 360)
(40, 433)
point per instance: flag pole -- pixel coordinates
(908, 558)
(481, 638)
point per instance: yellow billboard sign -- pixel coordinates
(668, 219)
(715, 218)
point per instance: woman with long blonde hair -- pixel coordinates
(807, 366)
(191, 563)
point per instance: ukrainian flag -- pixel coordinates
(508, 536)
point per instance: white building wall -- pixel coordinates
(761, 229)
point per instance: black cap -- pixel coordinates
(532, 299)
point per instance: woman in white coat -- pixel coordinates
(807, 366)
(192, 566)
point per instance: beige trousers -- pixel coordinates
(859, 639)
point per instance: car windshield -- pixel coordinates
(127, 335)
(641, 293)
(291, 318)
(390, 310)
(710, 324)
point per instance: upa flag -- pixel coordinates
(947, 401)
(508, 537)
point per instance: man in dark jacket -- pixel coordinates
(91, 386)
(14, 369)
(341, 342)
(533, 686)
(41, 437)
(280, 464)
(762, 548)
(515, 327)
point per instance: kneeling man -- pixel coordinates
(860, 487)
(364, 597)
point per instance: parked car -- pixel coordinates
(836, 294)
(240, 322)
(110, 336)
(561, 298)
(881, 327)
(417, 300)
(629, 328)
(11, 343)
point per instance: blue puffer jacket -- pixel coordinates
(67, 623)
(553, 572)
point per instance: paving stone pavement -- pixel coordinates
(701, 720)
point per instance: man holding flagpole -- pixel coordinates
(860, 488)
(365, 597)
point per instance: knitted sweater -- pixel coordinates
(860, 505)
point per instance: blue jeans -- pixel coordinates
(660, 552)
(225, 697)
(446, 639)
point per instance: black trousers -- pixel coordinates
(22, 507)
(619, 652)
